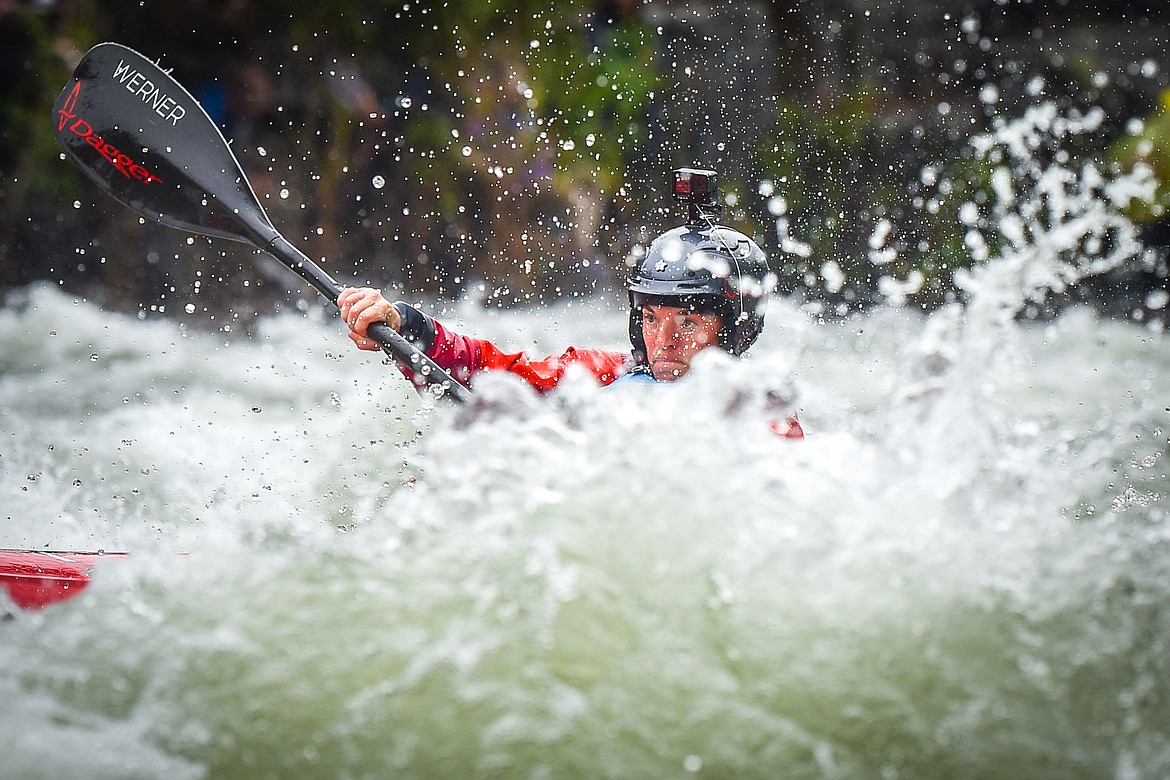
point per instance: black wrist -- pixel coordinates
(417, 328)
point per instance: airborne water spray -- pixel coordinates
(595, 584)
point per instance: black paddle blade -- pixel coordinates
(144, 139)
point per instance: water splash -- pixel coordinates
(1055, 224)
(960, 573)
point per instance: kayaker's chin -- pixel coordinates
(667, 370)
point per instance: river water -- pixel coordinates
(961, 572)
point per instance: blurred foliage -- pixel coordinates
(1148, 143)
(867, 202)
(425, 147)
(517, 152)
(887, 204)
(33, 184)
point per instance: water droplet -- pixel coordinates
(93, 357)
(379, 182)
(189, 308)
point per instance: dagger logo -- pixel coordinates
(68, 108)
(68, 119)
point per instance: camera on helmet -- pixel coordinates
(699, 189)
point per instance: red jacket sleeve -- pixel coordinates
(464, 357)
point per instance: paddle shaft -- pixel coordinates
(391, 340)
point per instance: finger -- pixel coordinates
(347, 298)
(381, 311)
(353, 297)
(363, 319)
(369, 315)
(362, 313)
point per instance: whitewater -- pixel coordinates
(331, 577)
(961, 572)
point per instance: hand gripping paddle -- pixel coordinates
(136, 132)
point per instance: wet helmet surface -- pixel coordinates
(709, 268)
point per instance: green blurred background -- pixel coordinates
(518, 152)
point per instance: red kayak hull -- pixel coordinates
(35, 579)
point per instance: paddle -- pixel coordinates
(141, 136)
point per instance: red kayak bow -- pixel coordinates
(34, 579)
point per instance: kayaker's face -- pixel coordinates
(674, 336)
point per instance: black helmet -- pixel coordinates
(708, 268)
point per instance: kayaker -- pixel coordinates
(700, 285)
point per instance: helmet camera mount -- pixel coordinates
(699, 189)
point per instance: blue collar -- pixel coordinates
(640, 374)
